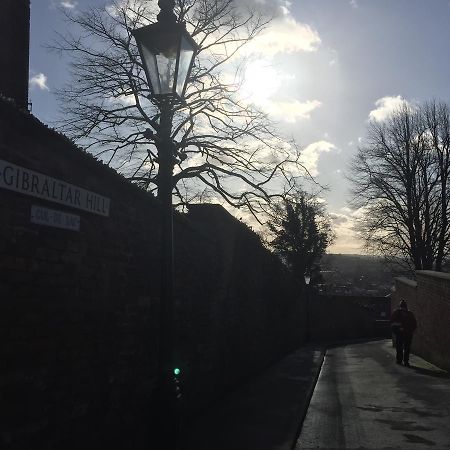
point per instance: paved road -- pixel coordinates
(262, 414)
(364, 400)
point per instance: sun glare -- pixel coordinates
(261, 81)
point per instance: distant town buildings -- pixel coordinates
(354, 275)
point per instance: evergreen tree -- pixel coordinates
(301, 232)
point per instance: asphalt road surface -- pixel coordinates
(364, 400)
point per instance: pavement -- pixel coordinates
(264, 414)
(364, 400)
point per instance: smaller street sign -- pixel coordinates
(53, 218)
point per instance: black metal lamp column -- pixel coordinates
(308, 307)
(166, 395)
(167, 52)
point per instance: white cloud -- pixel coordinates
(343, 225)
(386, 106)
(143, 9)
(125, 100)
(272, 8)
(334, 57)
(285, 35)
(339, 219)
(263, 79)
(261, 84)
(286, 7)
(311, 154)
(291, 111)
(69, 4)
(40, 81)
(354, 3)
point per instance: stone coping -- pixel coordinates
(434, 274)
(406, 281)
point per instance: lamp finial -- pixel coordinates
(166, 15)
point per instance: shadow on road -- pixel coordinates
(350, 342)
(430, 373)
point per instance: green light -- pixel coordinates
(176, 371)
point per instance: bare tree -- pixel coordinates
(437, 116)
(400, 179)
(225, 147)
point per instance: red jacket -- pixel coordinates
(404, 321)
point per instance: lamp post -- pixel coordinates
(167, 53)
(308, 311)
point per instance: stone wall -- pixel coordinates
(429, 299)
(78, 307)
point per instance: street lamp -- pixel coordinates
(167, 53)
(308, 311)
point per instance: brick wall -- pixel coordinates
(429, 299)
(78, 309)
(254, 310)
(14, 50)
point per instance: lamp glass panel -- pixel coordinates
(186, 55)
(167, 63)
(149, 60)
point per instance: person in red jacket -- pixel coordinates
(403, 323)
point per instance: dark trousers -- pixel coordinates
(403, 346)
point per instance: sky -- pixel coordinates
(322, 70)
